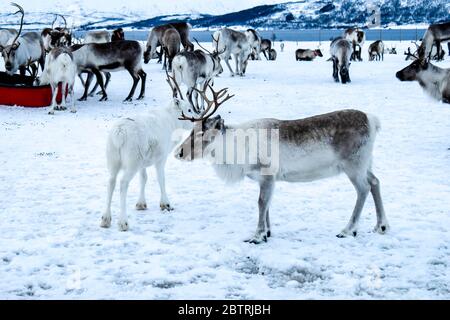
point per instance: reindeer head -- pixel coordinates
(9, 52)
(410, 72)
(215, 56)
(318, 53)
(118, 35)
(206, 127)
(183, 107)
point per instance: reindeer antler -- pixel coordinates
(174, 86)
(202, 46)
(212, 105)
(21, 20)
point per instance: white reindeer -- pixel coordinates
(60, 69)
(140, 142)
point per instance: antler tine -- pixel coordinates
(170, 80)
(65, 21)
(202, 46)
(21, 20)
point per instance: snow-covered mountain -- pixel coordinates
(264, 14)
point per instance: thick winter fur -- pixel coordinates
(137, 143)
(194, 68)
(341, 51)
(434, 80)
(376, 51)
(60, 69)
(235, 43)
(309, 149)
(171, 43)
(27, 49)
(111, 57)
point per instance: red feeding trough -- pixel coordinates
(18, 90)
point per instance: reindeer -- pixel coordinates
(282, 46)
(255, 42)
(357, 37)
(231, 42)
(60, 69)
(101, 37)
(435, 34)
(156, 35)
(23, 50)
(341, 51)
(6, 35)
(112, 56)
(434, 80)
(118, 34)
(376, 51)
(195, 68)
(140, 142)
(171, 42)
(301, 151)
(307, 54)
(266, 46)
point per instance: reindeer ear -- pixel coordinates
(15, 46)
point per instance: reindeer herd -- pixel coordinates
(308, 149)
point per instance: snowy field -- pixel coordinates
(53, 185)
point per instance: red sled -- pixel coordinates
(17, 90)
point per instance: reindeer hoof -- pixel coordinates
(73, 111)
(166, 207)
(123, 226)
(128, 99)
(258, 238)
(140, 98)
(381, 229)
(62, 108)
(104, 98)
(106, 222)
(141, 206)
(82, 99)
(51, 112)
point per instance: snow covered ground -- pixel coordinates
(53, 185)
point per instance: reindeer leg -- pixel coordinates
(382, 223)
(236, 58)
(113, 168)
(86, 86)
(164, 203)
(63, 97)
(72, 99)
(335, 70)
(108, 79)
(99, 77)
(227, 61)
(265, 195)
(124, 183)
(362, 186)
(143, 76)
(53, 106)
(133, 88)
(142, 204)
